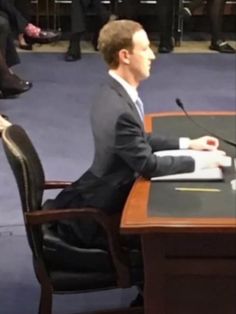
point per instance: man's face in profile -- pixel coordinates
(141, 56)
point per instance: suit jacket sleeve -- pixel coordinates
(136, 148)
(162, 142)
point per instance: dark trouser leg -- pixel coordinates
(215, 11)
(74, 50)
(17, 21)
(78, 16)
(129, 9)
(7, 46)
(101, 18)
(3, 67)
(165, 18)
(4, 31)
(12, 57)
(24, 7)
(101, 12)
(77, 28)
(78, 24)
(10, 84)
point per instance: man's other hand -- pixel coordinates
(204, 143)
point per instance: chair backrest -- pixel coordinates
(26, 167)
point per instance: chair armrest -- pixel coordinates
(109, 223)
(40, 217)
(49, 185)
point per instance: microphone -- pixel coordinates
(181, 106)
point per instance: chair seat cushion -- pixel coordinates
(72, 281)
(68, 261)
(62, 256)
(75, 269)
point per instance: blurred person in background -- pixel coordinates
(79, 9)
(19, 15)
(164, 10)
(215, 9)
(10, 83)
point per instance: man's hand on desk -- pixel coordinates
(204, 143)
(214, 159)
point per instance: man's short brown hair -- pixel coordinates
(114, 36)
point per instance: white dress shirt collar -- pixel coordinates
(131, 91)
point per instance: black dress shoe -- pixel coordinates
(44, 37)
(166, 45)
(222, 46)
(26, 47)
(72, 56)
(23, 82)
(165, 48)
(12, 85)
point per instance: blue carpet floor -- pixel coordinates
(55, 114)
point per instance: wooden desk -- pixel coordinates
(189, 260)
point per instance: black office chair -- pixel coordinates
(59, 266)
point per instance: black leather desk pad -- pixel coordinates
(165, 201)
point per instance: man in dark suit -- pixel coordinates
(123, 150)
(215, 10)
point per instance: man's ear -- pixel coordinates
(124, 56)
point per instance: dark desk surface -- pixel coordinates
(158, 207)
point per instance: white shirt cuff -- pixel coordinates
(184, 142)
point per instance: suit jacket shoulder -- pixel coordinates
(111, 101)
